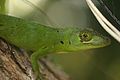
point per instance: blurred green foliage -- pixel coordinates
(2, 6)
(95, 64)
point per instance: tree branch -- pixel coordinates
(15, 65)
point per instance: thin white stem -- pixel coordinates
(103, 21)
(102, 17)
(106, 27)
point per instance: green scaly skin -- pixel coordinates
(46, 40)
(2, 7)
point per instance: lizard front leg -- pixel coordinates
(34, 60)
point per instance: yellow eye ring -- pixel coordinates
(85, 36)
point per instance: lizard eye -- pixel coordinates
(85, 36)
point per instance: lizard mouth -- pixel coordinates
(104, 43)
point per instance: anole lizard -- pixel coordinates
(44, 40)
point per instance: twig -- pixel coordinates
(103, 21)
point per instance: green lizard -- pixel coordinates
(44, 40)
(2, 6)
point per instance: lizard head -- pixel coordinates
(87, 39)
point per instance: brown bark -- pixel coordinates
(15, 65)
